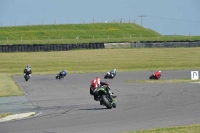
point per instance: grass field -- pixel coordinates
(98, 32)
(101, 60)
(177, 129)
(163, 81)
(8, 87)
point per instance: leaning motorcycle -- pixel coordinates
(109, 75)
(153, 77)
(104, 98)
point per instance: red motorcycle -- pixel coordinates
(153, 76)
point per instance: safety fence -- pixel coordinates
(50, 47)
(89, 38)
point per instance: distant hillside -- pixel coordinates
(68, 33)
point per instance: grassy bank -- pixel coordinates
(8, 87)
(102, 60)
(67, 33)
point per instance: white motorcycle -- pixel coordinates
(110, 75)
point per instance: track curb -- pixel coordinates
(17, 116)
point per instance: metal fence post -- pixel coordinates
(77, 38)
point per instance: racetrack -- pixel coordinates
(67, 107)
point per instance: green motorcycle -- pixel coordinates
(104, 98)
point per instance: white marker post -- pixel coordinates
(194, 75)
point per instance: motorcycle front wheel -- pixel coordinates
(26, 77)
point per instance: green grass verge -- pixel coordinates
(101, 60)
(98, 32)
(8, 87)
(4, 115)
(178, 129)
(163, 81)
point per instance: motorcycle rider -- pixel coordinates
(112, 73)
(63, 73)
(157, 74)
(27, 70)
(95, 84)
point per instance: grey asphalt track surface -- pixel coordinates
(15, 105)
(67, 107)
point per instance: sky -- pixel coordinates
(167, 17)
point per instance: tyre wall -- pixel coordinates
(66, 47)
(49, 47)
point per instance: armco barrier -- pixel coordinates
(117, 45)
(165, 44)
(49, 47)
(152, 45)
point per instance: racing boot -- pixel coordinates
(96, 97)
(114, 96)
(111, 95)
(101, 102)
(114, 105)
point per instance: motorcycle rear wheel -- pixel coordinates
(57, 77)
(106, 76)
(106, 102)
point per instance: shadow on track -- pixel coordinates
(94, 109)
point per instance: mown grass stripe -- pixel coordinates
(164, 81)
